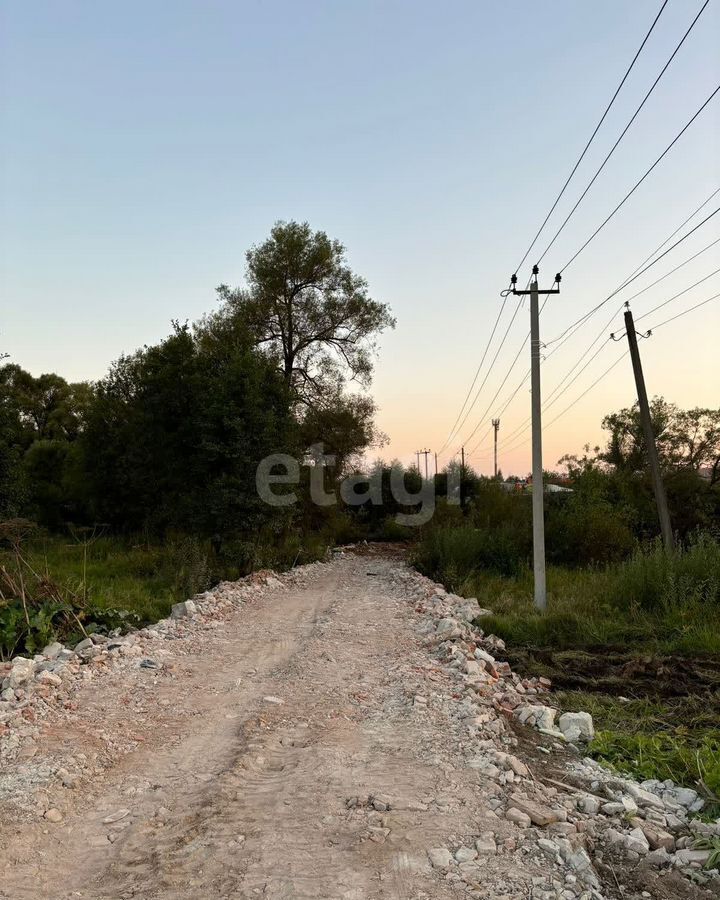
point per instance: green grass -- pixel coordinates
(111, 574)
(677, 739)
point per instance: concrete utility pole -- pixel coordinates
(425, 452)
(658, 486)
(417, 453)
(537, 465)
(462, 477)
(436, 469)
(496, 426)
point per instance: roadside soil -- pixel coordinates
(622, 672)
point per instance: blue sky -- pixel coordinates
(146, 146)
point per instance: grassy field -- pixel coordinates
(636, 644)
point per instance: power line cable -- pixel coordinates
(623, 132)
(684, 312)
(587, 350)
(637, 275)
(592, 136)
(522, 426)
(576, 400)
(577, 374)
(502, 383)
(640, 180)
(674, 269)
(559, 390)
(576, 326)
(550, 401)
(588, 389)
(487, 374)
(611, 367)
(680, 226)
(477, 373)
(675, 296)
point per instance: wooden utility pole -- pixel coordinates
(496, 426)
(462, 477)
(538, 491)
(654, 462)
(417, 453)
(436, 469)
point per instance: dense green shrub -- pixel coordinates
(579, 533)
(455, 553)
(652, 578)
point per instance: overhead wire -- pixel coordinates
(640, 180)
(502, 383)
(592, 136)
(680, 227)
(588, 389)
(453, 430)
(576, 400)
(637, 275)
(549, 400)
(684, 312)
(648, 263)
(505, 294)
(623, 132)
(675, 296)
(487, 374)
(674, 269)
(557, 393)
(654, 328)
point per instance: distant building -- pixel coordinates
(525, 487)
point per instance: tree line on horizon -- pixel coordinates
(170, 438)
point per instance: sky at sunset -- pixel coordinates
(146, 146)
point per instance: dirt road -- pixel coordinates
(259, 760)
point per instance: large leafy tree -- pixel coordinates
(688, 443)
(309, 311)
(685, 438)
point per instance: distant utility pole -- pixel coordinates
(425, 453)
(496, 426)
(462, 477)
(655, 474)
(417, 453)
(537, 465)
(436, 469)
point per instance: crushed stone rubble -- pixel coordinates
(563, 835)
(579, 828)
(39, 692)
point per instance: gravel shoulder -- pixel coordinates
(297, 736)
